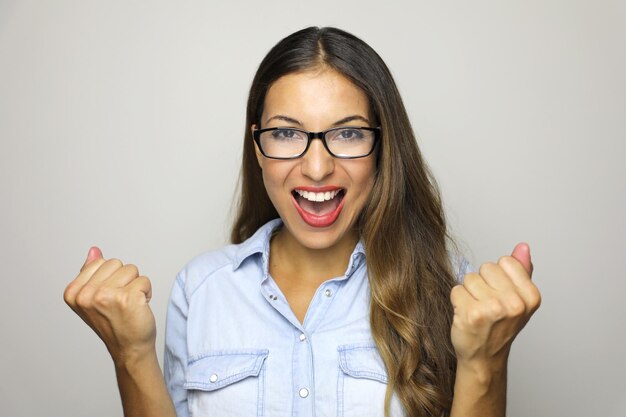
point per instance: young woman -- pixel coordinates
(339, 295)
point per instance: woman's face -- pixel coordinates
(317, 101)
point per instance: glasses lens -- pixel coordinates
(350, 141)
(283, 143)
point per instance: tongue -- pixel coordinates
(319, 208)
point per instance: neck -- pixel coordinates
(289, 258)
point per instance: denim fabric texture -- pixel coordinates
(233, 347)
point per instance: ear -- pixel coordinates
(259, 155)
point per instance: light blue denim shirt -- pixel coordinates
(233, 347)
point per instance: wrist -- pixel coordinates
(483, 372)
(135, 359)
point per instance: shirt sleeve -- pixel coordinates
(175, 358)
(461, 266)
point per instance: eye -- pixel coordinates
(348, 134)
(285, 134)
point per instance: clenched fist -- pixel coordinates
(113, 300)
(491, 308)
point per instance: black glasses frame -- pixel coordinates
(256, 135)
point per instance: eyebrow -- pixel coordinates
(299, 123)
(284, 119)
(350, 119)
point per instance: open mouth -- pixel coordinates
(319, 203)
(319, 209)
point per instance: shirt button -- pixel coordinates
(302, 337)
(328, 293)
(213, 378)
(303, 393)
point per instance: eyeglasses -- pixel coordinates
(340, 142)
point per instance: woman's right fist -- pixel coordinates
(112, 298)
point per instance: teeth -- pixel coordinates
(311, 196)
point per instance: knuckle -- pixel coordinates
(475, 317)
(471, 279)
(486, 268)
(69, 295)
(534, 297)
(102, 297)
(495, 308)
(454, 293)
(122, 301)
(132, 269)
(506, 260)
(455, 290)
(144, 280)
(115, 263)
(516, 306)
(84, 300)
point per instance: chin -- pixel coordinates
(319, 238)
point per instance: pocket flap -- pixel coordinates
(218, 369)
(362, 361)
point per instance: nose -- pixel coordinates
(317, 163)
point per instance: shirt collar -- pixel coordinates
(260, 243)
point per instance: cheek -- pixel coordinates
(369, 184)
(274, 176)
(268, 181)
(363, 177)
(367, 190)
(367, 176)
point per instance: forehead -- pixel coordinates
(316, 98)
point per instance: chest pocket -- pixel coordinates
(227, 383)
(362, 383)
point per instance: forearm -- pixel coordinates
(480, 391)
(142, 388)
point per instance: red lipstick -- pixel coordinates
(317, 220)
(320, 189)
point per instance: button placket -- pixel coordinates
(303, 379)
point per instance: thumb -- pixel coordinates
(93, 254)
(522, 254)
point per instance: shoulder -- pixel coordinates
(203, 266)
(226, 261)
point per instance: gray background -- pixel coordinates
(121, 126)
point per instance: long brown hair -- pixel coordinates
(402, 227)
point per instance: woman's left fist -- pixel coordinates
(492, 306)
